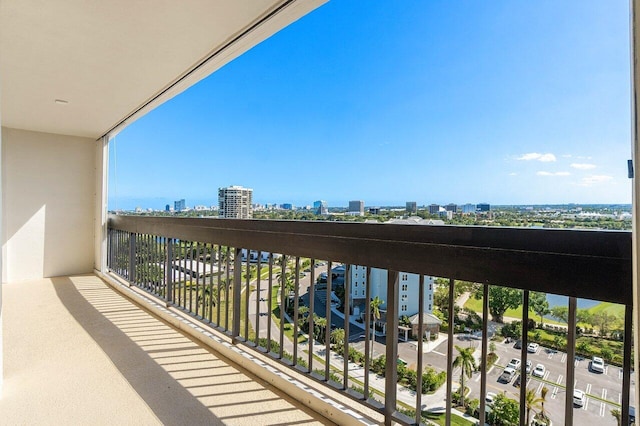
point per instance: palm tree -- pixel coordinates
(374, 308)
(617, 415)
(337, 337)
(531, 401)
(467, 364)
(543, 397)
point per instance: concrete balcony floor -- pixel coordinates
(78, 352)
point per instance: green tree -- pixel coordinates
(617, 415)
(319, 328)
(560, 312)
(541, 417)
(604, 320)
(337, 338)
(559, 342)
(606, 353)
(504, 411)
(467, 364)
(539, 304)
(374, 312)
(501, 299)
(583, 347)
(531, 402)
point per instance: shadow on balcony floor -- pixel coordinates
(77, 352)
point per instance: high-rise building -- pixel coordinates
(235, 202)
(167, 208)
(468, 208)
(412, 207)
(179, 205)
(434, 208)
(320, 207)
(451, 207)
(356, 207)
(484, 207)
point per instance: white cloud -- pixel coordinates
(513, 174)
(583, 166)
(545, 158)
(542, 173)
(594, 179)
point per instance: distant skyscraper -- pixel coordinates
(287, 206)
(167, 208)
(451, 207)
(235, 202)
(320, 207)
(468, 208)
(484, 207)
(179, 205)
(434, 208)
(356, 207)
(412, 207)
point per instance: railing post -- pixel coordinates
(132, 258)
(237, 294)
(571, 359)
(168, 270)
(451, 319)
(391, 342)
(523, 356)
(483, 362)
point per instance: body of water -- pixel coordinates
(557, 300)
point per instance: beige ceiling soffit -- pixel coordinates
(273, 21)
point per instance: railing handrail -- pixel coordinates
(580, 263)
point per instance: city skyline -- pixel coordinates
(498, 103)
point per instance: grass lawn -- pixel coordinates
(608, 307)
(476, 305)
(455, 420)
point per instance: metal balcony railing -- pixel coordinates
(218, 269)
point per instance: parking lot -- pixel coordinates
(602, 389)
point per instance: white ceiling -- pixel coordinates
(110, 58)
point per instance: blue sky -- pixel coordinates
(429, 101)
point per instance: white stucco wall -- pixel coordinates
(49, 204)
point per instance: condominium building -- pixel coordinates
(412, 207)
(409, 297)
(235, 202)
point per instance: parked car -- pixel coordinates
(491, 396)
(532, 348)
(529, 366)
(507, 375)
(514, 363)
(516, 383)
(597, 364)
(518, 344)
(539, 370)
(578, 398)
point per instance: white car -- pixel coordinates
(528, 367)
(491, 396)
(578, 398)
(514, 363)
(597, 364)
(507, 375)
(532, 348)
(539, 370)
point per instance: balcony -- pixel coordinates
(75, 350)
(193, 265)
(79, 352)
